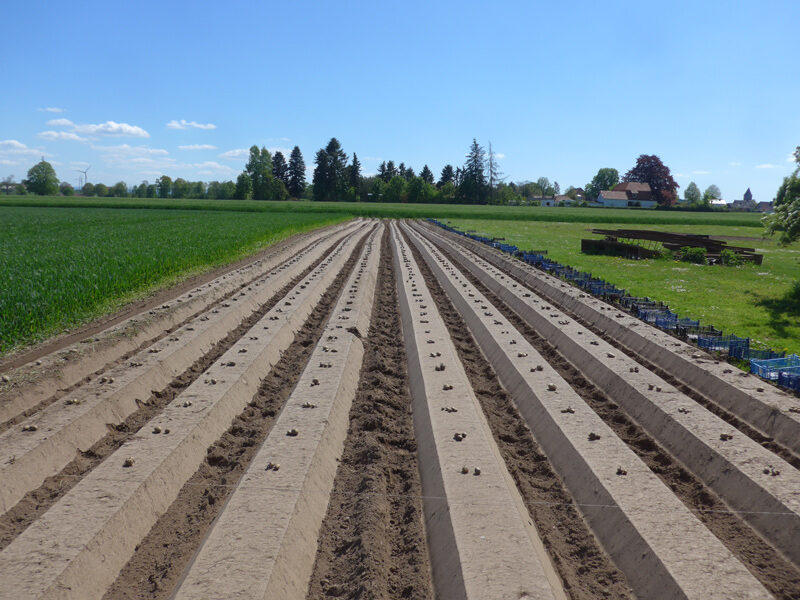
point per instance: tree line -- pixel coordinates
(339, 177)
(478, 181)
(336, 177)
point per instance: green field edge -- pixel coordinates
(411, 211)
(114, 305)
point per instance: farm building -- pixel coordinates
(626, 198)
(635, 190)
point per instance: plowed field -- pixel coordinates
(379, 409)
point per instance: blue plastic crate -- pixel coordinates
(789, 380)
(667, 322)
(771, 368)
(720, 343)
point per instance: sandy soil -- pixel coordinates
(584, 566)
(165, 552)
(372, 543)
(776, 573)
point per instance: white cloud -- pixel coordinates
(51, 109)
(790, 157)
(61, 135)
(5, 161)
(184, 124)
(211, 166)
(8, 147)
(131, 151)
(109, 128)
(60, 123)
(680, 175)
(144, 160)
(735, 163)
(499, 155)
(198, 147)
(125, 156)
(767, 166)
(701, 172)
(237, 153)
(112, 128)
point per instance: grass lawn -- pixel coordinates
(62, 267)
(750, 301)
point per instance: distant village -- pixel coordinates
(637, 195)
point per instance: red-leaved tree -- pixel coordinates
(650, 169)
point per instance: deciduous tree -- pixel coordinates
(180, 188)
(7, 184)
(712, 193)
(119, 190)
(244, 187)
(545, 186)
(605, 179)
(259, 169)
(650, 169)
(395, 190)
(786, 218)
(692, 194)
(164, 186)
(42, 179)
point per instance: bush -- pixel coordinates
(730, 258)
(693, 255)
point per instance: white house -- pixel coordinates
(622, 199)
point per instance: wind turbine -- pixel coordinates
(85, 177)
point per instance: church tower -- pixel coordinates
(748, 196)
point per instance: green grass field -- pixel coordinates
(62, 267)
(399, 211)
(751, 301)
(66, 261)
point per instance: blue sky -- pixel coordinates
(142, 88)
